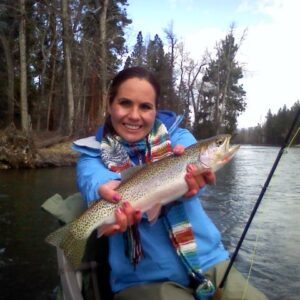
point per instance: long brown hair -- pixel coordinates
(125, 74)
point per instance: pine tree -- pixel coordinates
(138, 55)
(223, 74)
(157, 62)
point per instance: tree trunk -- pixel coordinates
(53, 54)
(42, 98)
(10, 77)
(103, 58)
(23, 69)
(171, 37)
(51, 92)
(67, 58)
(192, 80)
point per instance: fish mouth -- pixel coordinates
(217, 151)
(223, 143)
(225, 149)
(230, 149)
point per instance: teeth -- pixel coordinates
(129, 126)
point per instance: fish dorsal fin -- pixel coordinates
(130, 172)
(153, 213)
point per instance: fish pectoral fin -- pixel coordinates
(153, 213)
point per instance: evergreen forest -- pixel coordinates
(57, 58)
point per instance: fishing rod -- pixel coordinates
(258, 201)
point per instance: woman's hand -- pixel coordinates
(108, 192)
(195, 181)
(126, 215)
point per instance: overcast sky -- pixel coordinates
(270, 52)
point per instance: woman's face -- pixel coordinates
(133, 110)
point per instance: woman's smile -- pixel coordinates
(132, 126)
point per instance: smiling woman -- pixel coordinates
(133, 111)
(144, 258)
(132, 94)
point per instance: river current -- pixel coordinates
(271, 249)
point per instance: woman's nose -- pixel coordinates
(134, 113)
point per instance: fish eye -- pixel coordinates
(219, 142)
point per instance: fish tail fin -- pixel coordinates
(72, 247)
(56, 238)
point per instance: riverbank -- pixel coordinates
(35, 150)
(59, 155)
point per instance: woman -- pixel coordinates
(144, 263)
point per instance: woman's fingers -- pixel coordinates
(178, 150)
(121, 219)
(108, 192)
(109, 230)
(126, 216)
(197, 181)
(193, 185)
(129, 212)
(133, 215)
(210, 177)
(119, 226)
(137, 216)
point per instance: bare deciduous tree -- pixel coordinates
(23, 69)
(67, 57)
(10, 77)
(103, 57)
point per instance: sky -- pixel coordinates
(269, 53)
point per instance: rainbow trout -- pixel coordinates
(150, 187)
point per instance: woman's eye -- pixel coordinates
(125, 103)
(146, 106)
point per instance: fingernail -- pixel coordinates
(119, 210)
(126, 204)
(116, 197)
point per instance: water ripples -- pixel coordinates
(276, 269)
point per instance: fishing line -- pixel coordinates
(252, 261)
(259, 199)
(292, 140)
(258, 233)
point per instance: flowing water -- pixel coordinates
(28, 265)
(272, 245)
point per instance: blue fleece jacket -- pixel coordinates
(160, 261)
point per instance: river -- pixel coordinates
(28, 265)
